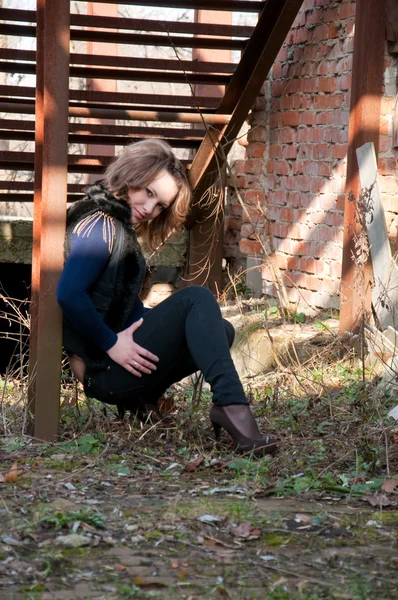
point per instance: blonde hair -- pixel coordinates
(137, 167)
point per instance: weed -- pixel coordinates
(61, 520)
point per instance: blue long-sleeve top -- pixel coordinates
(88, 257)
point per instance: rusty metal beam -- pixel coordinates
(139, 39)
(102, 140)
(50, 215)
(127, 115)
(229, 5)
(101, 129)
(24, 161)
(127, 61)
(122, 97)
(126, 23)
(274, 23)
(363, 127)
(123, 74)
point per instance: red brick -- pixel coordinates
(275, 120)
(333, 31)
(330, 285)
(280, 230)
(388, 185)
(338, 151)
(256, 150)
(297, 279)
(340, 202)
(254, 213)
(335, 219)
(299, 36)
(253, 196)
(302, 135)
(250, 247)
(259, 103)
(387, 166)
(321, 151)
(281, 261)
(281, 167)
(347, 10)
(313, 283)
(293, 263)
(277, 88)
(327, 84)
(328, 102)
(313, 17)
(290, 118)
(236, 209)
(287, 215)
(307, 117)
(320, 33)
(251, 231)
(308, 85)
(317, 134)
(385, 144)
(330, 14)
(350, 27)
(246, 182)
(232, 223)
(289, 151)
(344, 82)
(308, 265)
(287, 136)
(293, 199)
(387, 106)
(277, 70)
(257, 134)
(279, 197)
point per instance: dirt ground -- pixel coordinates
(120, 510)
(162, 527)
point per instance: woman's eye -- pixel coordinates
(148, 191)
(161, 206)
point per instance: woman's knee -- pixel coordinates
(196, 292)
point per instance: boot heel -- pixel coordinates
(217, 430)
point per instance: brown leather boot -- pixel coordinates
(238, 421)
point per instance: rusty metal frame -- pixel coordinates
(50, 161)
(363, 127)
(49, 214)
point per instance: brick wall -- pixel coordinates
(296, 158)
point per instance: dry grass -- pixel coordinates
(315, 402)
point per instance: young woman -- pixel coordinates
(123, 354)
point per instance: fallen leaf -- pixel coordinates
(389, 485)
(10, 541)
(192, 466)
(377, 500)
(174, 565)
(243, 530)
(121, 567)
(301, 518)
(267, 557)
(394, 437)
(209, 519)
(13, 474)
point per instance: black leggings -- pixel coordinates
(188, 334)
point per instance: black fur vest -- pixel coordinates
(120, 283)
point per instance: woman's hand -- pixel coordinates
(130, 355)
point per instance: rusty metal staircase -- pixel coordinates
(201, 125)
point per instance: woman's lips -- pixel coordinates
(139, 215)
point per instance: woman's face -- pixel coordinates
(147, 203)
